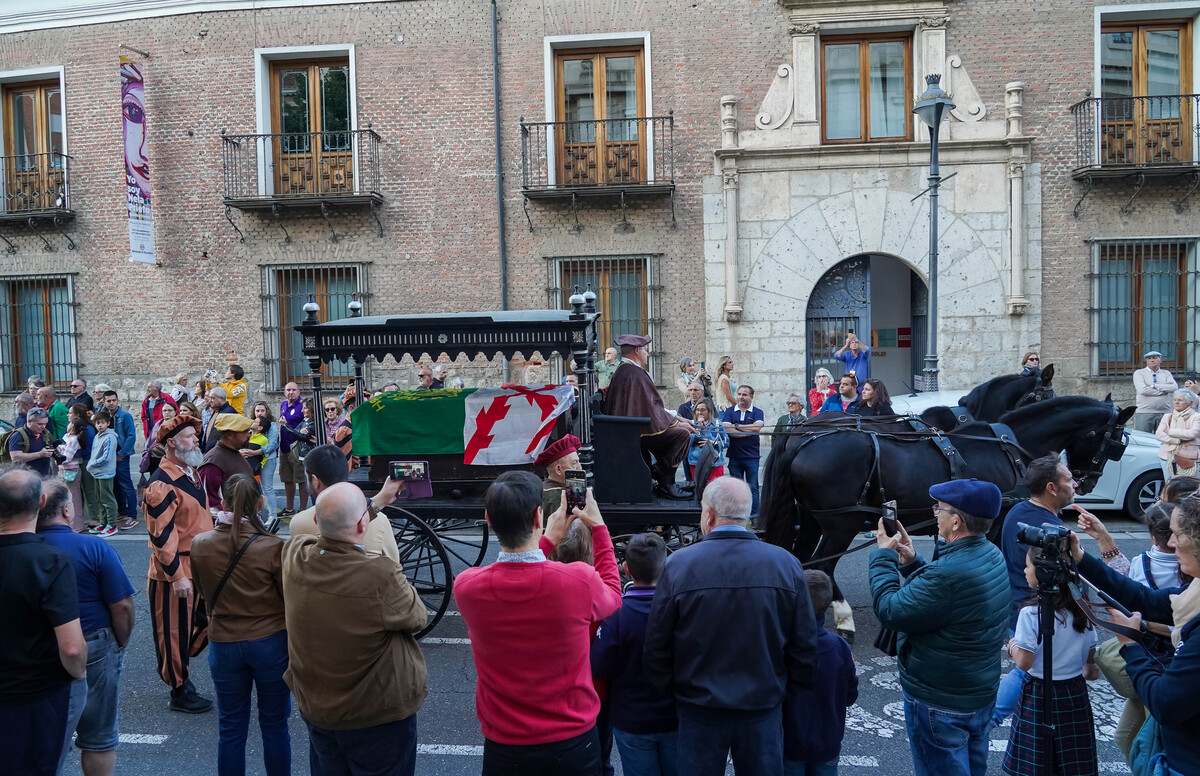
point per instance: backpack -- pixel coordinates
(5, 456)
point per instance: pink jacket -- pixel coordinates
(1182, 439)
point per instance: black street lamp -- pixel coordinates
(932, 107)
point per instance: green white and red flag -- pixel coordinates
(488, 426)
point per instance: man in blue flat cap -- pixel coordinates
(951, 614)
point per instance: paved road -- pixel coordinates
(449, 732)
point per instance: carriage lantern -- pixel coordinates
(311, 308)
(932, 107)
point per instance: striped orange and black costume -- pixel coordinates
(176, 511)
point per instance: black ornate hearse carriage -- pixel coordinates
(445, 533)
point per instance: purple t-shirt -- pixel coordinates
(291, 413)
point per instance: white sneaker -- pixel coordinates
(108, 530)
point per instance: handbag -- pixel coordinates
(1145, 753)
(68, 475)
(212, 602)
(1183, 463)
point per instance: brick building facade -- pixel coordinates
(612, 145)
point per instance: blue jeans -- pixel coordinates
(267, 483)
(236, 668)
(755, 743)
(650, 754)
(946, 742)
(794, 768)
(1008, 695)
(124, 491)
(97, 730)
(384, 750)
(747, 469)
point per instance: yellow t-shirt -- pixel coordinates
(235, 394)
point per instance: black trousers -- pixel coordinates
(578, 756)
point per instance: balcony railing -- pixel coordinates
(36, 184)
(598, 156)
(260, 170)
(1139, 134)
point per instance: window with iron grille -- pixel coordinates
(626, 293)
(1143, 298)
(286, 289)
(37, 331)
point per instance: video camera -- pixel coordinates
(1053, 540)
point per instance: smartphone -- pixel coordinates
(703, 366)
(410, 471)
(576, 488)
(890, 526)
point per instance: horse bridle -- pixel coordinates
(1111, 448)
(1036, 394)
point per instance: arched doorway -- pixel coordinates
(883, 301)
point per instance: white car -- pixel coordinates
(1131, 484)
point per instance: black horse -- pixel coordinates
(988, 401)
(824, 488)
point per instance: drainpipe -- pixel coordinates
(499, 163)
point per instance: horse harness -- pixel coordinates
(913, 429)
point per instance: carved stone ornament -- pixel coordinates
(730, 179)
(777, 106)
(969, 108)
(1016, 169)
(803, 28)
(934, 22)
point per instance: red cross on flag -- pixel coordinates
(510, 424)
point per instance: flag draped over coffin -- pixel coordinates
(488, 426)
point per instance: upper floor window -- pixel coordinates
(601, 102)
(33, 146)
(866, 88)
(310, 113)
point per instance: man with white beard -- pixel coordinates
(176, 511)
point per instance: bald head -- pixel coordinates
(340, 512)
(20, 498)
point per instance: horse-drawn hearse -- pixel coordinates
(994, 432)
(444, 532)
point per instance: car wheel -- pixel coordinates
(1142, 494)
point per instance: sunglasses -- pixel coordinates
(331, 409)
(1034, 358)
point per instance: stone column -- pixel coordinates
(931, 59)
(729, 175)
(805, 111)
(1016, 303)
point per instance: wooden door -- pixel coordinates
(601, 102)
(1145, 119)
(313, 147)
(34, 173)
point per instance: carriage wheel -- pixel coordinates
(676, 537)
(425, 562)
(465, 540)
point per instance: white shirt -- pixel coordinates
(1071, 647)
(1164, 567)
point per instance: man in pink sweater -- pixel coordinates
(529, 621)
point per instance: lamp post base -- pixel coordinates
(931, 372)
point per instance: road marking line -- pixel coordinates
(444, 641)
(847, 761)
(450, 749)
(141, 738)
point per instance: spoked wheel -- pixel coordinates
(466, 540)
(674, 536)
(425, 561)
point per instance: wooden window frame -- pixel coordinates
(48, 333)
(864, 87)
(321, 275)
(1137, 255)
(603, 270)
(1140, 63)
(598, 54)
(342, 170)
(38, 186)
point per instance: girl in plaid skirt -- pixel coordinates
(1070, 710)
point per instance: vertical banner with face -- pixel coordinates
(137, 165)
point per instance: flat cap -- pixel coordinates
(231, 421)
(633, 340)
(974, 497)
(1150, 353)
(559, 449)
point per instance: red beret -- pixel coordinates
(560, 449)
(170, 428)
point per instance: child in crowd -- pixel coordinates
(643, 719)
(258, 440)
(576, 546)
(235, 387)
(70, 448)
(103, 469)
(814, 721)
(1074, 662)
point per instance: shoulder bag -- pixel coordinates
(212, 602)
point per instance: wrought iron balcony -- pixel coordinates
(609, 156)
(301, 168)
(1137, 135)
(36, 186)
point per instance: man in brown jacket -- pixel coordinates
(224, 459)
(340, 601)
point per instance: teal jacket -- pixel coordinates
(951, 615)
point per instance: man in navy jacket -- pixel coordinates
(731, 630)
